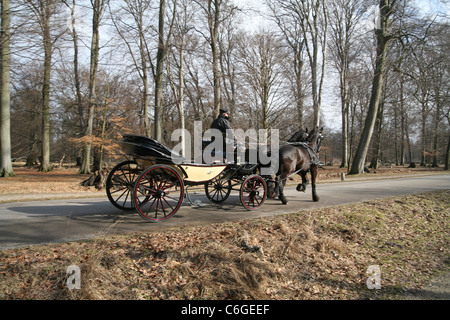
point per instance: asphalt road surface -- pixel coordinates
(51, 221)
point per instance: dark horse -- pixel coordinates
(300, 158)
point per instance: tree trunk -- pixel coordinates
(6, 169)
(344, 114)
(298, 66)
(97, 179)
(45, 147)
(181, 98)
(213, 20)
(377, 141)
(435, 152)
(144, 77)
(447, 155)
(159, 72)
(316, 48)
(402, 123)
(75, 67)
(96, 18)
(386, 8)
(422, 133)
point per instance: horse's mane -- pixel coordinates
(299, 136)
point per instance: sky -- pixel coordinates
(432, 7)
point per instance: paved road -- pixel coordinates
(38, 222)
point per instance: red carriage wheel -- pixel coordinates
(158, 193)
(253, 192)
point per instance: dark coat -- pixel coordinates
(222, 124)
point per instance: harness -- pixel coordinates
(313, 153)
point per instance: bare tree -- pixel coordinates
(344, 18)
(45, 12)
(134, 34)
(383, 36)
(439, 77)
(261, 56)
(215, 12)
(76, 72)
(228, 65)
(158, 70)
(313, 18)
(292, 32)
(97, 12)
(181, 44)
(6, 169)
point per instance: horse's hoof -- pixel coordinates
(283, 200)
(316, 199)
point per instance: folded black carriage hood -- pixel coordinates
(145, 147)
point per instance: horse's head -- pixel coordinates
(315, 138)
(299, 136)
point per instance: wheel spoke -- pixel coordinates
(216, 191)
(168, 203)
(118, 190)
(126, 198)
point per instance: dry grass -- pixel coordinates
(29, 180)
(320, 254)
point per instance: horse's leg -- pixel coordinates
(277, 187)
(305, 182)
(281, 181)
(314, 172)
(271, 187)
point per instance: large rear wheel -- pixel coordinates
(158, 193)
(120, 183)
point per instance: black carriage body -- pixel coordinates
(160, 176)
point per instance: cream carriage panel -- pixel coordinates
(190, 172)
(201, 173)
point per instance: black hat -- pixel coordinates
(223, 111)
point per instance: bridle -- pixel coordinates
(319, 144)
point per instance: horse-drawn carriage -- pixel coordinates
(154, 180)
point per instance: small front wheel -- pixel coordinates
(158, 193)
(218, 190)
(253, 192)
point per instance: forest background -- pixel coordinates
(77, 74)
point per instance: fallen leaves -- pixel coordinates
(321, 254)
